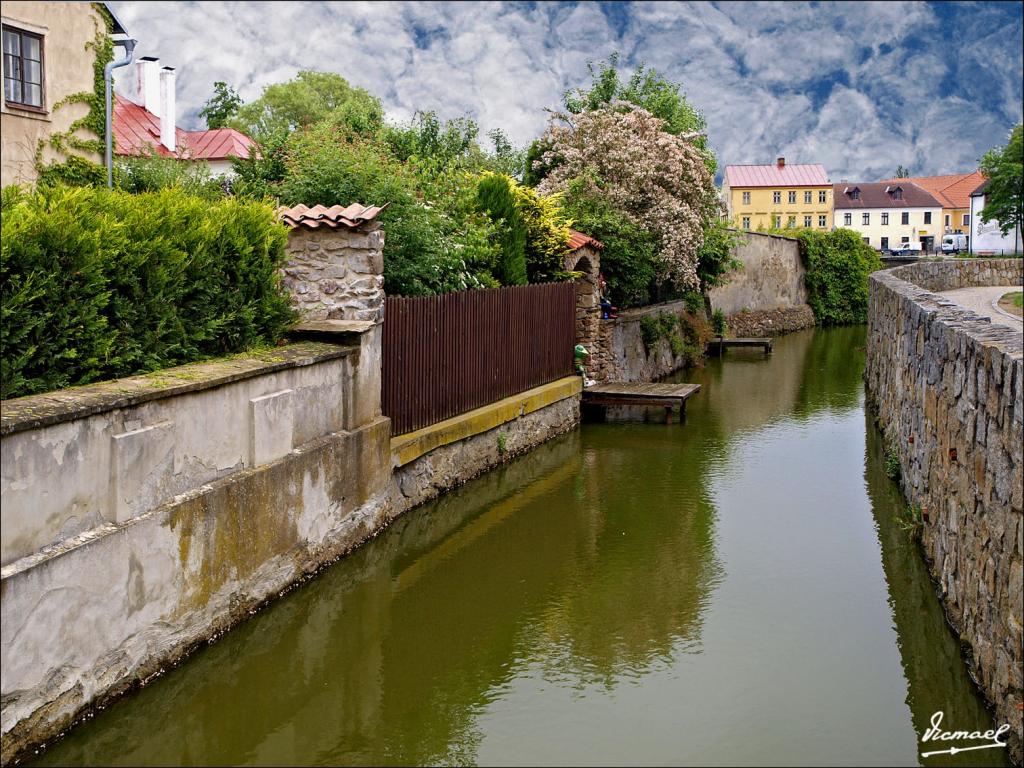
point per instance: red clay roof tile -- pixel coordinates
(137, 131)
(577, 240)
(952, 190)
(336, 216)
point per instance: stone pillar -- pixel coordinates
(587, 259)
(337, 274)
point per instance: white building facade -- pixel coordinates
(888, 215)
(985, 238)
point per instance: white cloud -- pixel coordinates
(850, 85)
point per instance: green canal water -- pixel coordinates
(734, 590)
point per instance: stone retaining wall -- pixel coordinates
(622, 354)
(947, 387)
(767, 296)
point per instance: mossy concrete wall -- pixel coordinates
(143, 516)
(947, 387)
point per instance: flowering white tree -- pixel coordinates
(623, 154)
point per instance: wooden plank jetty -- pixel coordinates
(665, 396)
(719, 344)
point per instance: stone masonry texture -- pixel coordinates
(947, 389)
(336, 274)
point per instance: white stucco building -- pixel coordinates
(985, 238)
(888, 214)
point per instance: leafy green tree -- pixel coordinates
(430, 247)
(630, 251)
(496, 196)
(902, 173)
(312, 97)
(222, 106)
(648, 89)
(1004, 167)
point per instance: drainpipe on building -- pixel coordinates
(129, 47)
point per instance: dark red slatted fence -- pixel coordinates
(444, 355)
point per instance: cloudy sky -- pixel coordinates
(859, 87)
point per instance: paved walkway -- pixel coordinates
(981, 300)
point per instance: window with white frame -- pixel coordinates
(776, 221)
(822, 220)
(792, 222)
(776, 197)
(807, 197)
(807, 221)
(822, 196)
(847, 219)
(746, 198)
(746, 222)
(792, 196)
(885, 219)
(865, 218)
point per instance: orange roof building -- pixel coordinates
(953, 191)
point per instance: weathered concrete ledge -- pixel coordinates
(409, 447)
(50, 408)
(451, 464)
(947, 388)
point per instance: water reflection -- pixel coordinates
(710, 593)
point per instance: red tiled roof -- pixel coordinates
(808, 175)
(952, 190)
(876, 195)
(577, 240)
(333, 217)
(137, 130)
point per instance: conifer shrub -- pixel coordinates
(496, 197)
(100, 284)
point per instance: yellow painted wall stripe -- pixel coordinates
(411, 446)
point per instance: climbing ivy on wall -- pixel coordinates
(77, 170)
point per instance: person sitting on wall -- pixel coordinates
(607, 310)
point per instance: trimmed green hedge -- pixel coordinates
(99, 284)
(837, 266)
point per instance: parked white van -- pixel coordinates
(911, 250)
(954, 243)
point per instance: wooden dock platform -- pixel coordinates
(719, 344)
(666, 396)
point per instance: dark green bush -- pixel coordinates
(99, 284)
(495, 196)
(837, 267)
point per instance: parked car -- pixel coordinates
(907, 250)
(954, 243)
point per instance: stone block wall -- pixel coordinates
(947, 388)
(767, 296)
(337, 274)
(621, 354)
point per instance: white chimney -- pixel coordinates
(147, 84)
(167, 108)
